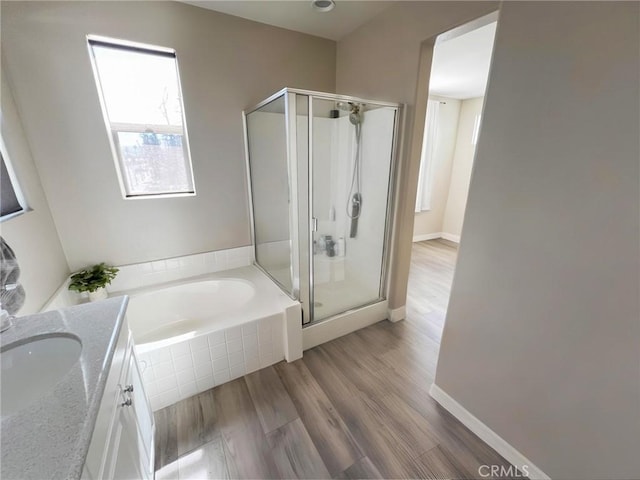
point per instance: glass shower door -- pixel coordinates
(271, 190)
(350, 159)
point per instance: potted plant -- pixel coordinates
(93, 280)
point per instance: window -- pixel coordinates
(12, 201)
(476, 129)
(139, 89)
(429, 141)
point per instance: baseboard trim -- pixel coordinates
(487, 435)
(397, 314)
(451, 237)
(433, 236)
(427, 236)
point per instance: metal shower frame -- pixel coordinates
(300, 291)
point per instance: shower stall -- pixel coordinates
(321, 172)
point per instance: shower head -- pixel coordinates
(350, 106)
(355, 111)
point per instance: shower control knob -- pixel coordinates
(128, 388)
(126, 403)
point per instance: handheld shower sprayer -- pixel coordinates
(354, 198)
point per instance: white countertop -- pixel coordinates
(49, 438)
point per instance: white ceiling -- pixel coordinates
(299, 15)
(460, 66)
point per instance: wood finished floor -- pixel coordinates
(354, 408)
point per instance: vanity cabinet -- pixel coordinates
(122, 445)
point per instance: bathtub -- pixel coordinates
(194, 334)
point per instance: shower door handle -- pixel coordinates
(314, 224)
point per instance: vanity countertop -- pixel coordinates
(50, 437)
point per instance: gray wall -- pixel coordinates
(385, 59)
(542, 337)
(32, 235)
(226, 64)
(267, 137)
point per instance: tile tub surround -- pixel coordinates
(140, 275)
(192, 366)
(50, 437)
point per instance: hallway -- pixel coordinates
(430, 277)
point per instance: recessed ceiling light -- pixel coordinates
(323, 5)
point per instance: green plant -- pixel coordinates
(92, 278)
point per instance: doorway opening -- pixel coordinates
(457, 83)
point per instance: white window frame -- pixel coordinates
(13, 180)
(113, 128)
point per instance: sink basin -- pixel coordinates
(32, 367)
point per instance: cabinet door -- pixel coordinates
(143, 417)
(131, 449)
(124, 463)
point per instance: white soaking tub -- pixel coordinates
(194, 334)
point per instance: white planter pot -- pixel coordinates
(99, 294)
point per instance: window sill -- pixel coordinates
(159, 195)
(15, 214)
